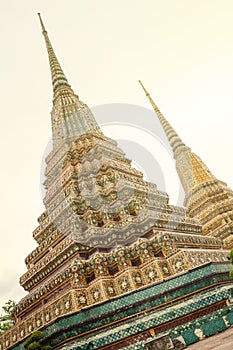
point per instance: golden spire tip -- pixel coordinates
(42, 24)
(147, 93)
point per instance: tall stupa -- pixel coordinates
(206, 198)
(116, 266)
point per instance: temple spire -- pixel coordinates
(206, 198)
(191, 170)
(70, 117)
(173, 137)
(59, 79)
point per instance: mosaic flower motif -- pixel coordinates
(96, 295)
(124, 284)
(82, 299)
(110, 290)
(165, 270)
(137, 279)
(179, 264)
(67, 305)
(151, 274)
(57, 311)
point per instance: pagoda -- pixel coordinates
(206, 198)
(116, 266)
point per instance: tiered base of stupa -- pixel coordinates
(167, 282)
(189, 306)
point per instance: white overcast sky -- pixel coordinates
(181, 49)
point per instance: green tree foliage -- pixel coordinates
(6, 318)
(34, 346)
(33, 342)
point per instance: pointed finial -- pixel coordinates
(171, 134)
(150, 99)
(42, 24)
(147, 93)
(59, 79)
